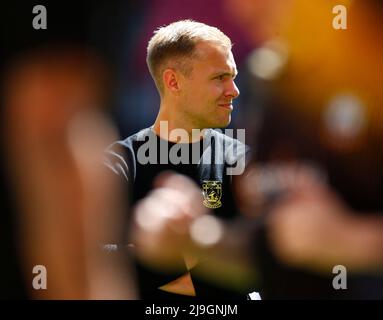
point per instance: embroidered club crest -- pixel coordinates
(212, 194)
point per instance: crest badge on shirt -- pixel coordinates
(212, 194)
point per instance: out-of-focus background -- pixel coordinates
(309, 92)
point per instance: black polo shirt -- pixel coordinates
(211, 163)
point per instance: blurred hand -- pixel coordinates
(262, 185)
(313, 228)
(162, 219)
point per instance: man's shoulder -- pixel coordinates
(129, 142)
(230, 138)
(120, 155)
(232, 142)
(227, 136)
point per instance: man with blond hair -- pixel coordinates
(193, 68)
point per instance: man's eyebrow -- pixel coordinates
(226, 73)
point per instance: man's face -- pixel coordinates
(207, 94)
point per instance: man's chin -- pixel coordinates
(223, 124)
(218, 123)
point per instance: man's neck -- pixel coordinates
(169, 126)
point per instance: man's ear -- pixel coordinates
(171, 79)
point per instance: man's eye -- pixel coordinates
(221, 77)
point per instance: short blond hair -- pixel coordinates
(178, 40)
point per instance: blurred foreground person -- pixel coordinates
(56, 130)
(317, 100)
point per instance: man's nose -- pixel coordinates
(232, 90)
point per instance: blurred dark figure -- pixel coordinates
(55, 127)
(318, 101)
